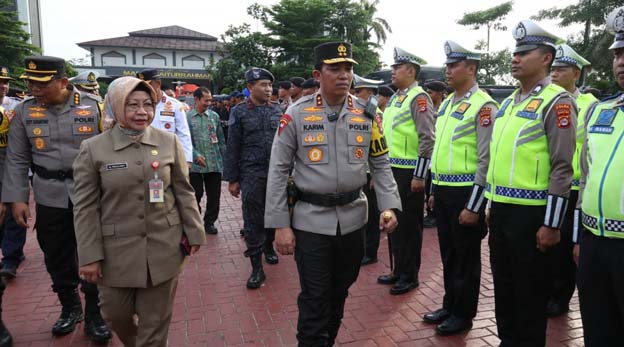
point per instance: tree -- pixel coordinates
(491, 18)
(593, 42)
(494, 67)
(377, 26)
(14, 40)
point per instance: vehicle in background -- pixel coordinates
(426, 73)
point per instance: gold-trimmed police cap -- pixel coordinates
(615, 26)
(529, 35)
(456, 52)
(148, 75)
(567, 56)
(361, 82)
(333, 53)
(4, 74)
(86, 80)
(401, 56)
(43, 68)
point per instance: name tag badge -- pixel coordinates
(116, 166)
(157, 191)
(214, 138)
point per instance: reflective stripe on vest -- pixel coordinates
(455, 154)
(603, 195)
(519, 168)
(584, 103)
(400, 130)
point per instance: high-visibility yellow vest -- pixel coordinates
(603, 195)
(519, 169)
(584, 102)
(455, 153)
(400, 130)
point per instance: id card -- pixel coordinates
(157, 191)
(214, 138)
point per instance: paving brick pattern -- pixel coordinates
(213, 307)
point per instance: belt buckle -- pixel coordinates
(62, 175)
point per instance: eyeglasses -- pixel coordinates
(38, 84)
(135, 106)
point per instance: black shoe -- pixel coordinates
(366, 260)
(402, 287)
(67, 321)
(270, 256)
(210, 229)
(257, 273)
(429, 222)
(8, 271)
(5, 337)
(388, 279)
(96, 329)
(453, 325)
(555, 310)
(436, 317)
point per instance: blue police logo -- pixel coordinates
(605, 117)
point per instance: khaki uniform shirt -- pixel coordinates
(114, 220)
(329, 157)
(48, 136)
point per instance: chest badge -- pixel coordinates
(315, 155)
(603, 123)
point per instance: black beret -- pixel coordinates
(436, 86)
(285, 84)
(148, 75)
(297, 81)
(256, 74)
(309, 83)
(385, 91)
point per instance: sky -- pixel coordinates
(419, 27)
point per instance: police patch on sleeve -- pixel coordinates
(284, 121)
(378, 145)
(563, 115)
(485, 117)
(422, 104)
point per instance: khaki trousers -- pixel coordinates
(153, 305)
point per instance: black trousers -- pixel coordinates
(328, 266)
(12, 239)
(253, 192)
(601, 290)
(428, 186)
(211, 181)
(460, 249)
(56, 237)
(564, 268)
(372, 235)
(521, 274)
(407, 237)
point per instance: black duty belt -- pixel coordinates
(49, 174)
(329, 200)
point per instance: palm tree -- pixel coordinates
(377, 26)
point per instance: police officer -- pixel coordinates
(252, 127)
(458, 169)
(309, 87)
(566, 72)
(45, 134)
(86, 81)
(6, 340)
(408, 122)
(384, 93)
(169, 115)
(12, 236)
(296, 92)
(329, 138)
(437, 92)
(365, 89)
(528, 184)
(284, 94)
(600, 273)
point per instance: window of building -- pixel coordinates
(193, 62)
(113, 58)
(154, 60)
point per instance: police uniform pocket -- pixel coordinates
(173, 218)
(358, 145)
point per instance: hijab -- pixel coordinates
(115, 101)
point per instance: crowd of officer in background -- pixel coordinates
(324, 165)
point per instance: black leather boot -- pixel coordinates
(5, 337)
(269, 254)
(71, 314)
(95, 327)
(257, 273)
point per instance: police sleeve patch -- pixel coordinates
(284, 121)
(422, 104)
(485, 117)
(563, 115)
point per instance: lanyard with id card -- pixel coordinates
(156, 186)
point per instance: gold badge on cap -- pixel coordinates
(5, 72)
(342, 50)
(154, 152)
(91, 77)
(32, 65)
(141, 76)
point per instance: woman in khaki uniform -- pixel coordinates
(132, 205)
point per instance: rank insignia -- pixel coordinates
(313, 118)
(76, 98)
(315, 155)
(462, 108)
(319, 100)
(533, 105)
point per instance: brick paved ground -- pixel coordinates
(213, 307)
